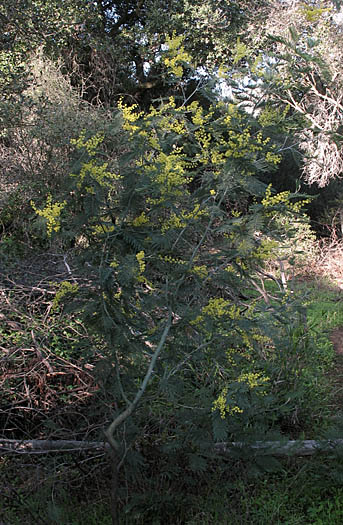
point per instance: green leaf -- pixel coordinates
(294, 34)
(197, 463)
(219, 427)
(268, 463)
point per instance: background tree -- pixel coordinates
(312, 88)
(113, 48)
(299, 73)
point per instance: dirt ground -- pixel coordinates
(336, 338)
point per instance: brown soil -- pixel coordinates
(336, 338)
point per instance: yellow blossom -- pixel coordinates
(140, 220)
(177, 55)
(51, 213)
(254, 380)
(90, 145)
(221, 404)
(141, 263)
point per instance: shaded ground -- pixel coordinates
(336, 338)
(336, 375)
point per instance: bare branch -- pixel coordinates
(109, 433)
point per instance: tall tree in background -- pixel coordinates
(302, 71)
(113, 48)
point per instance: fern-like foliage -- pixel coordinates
(168, 257)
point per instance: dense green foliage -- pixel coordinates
(161, 311)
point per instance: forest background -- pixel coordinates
(170, 177)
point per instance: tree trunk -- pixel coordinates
(114, 461)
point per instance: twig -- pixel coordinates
(68, 268)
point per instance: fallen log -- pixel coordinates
(271, 448)
(44, 446)
(305, 447)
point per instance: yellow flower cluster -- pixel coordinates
(170, 105)
(102, 228)
(65, 287)
(273, 158)
(177, 55)
(230, 353)
(217, 158)
(114, 264)
(51, 213)
(173, 222)
(140, 220)
(172, 260)
(130, 115)
(97, 173)
(169, 172)
(168, 120)
(181, 220)
(172, 169)
(239, 144)
(259, 139)
(216, 308)
(271, 200)
(204, 139)
(228, 117)
(89, 145)
(263, 340)
(296, 206)
(201, 271)
(283, 197)
(197, 117)
(141, 264)
(254, 380)
(174, 124)
(221, 404)
(246, 342)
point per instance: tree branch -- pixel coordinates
(109, 433)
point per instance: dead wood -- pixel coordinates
(273, 448)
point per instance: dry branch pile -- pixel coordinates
(46, 383)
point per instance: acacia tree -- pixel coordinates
(172, 235)
(168, 265)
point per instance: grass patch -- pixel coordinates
(293, 498)
(324, 308)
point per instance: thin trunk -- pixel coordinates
(114, 460)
